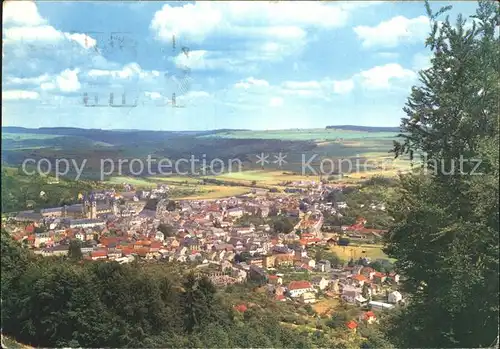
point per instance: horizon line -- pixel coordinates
(200, 130)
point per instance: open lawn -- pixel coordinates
(325, 306)
(319, 134)
(355, 252)
(208, 192)
(138, 182)
(175, 180)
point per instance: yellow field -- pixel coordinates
(262, 177)
(355, 252)
(208, 192)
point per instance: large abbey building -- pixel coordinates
(90, 209)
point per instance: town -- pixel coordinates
(277, 241)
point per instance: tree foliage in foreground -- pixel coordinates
(58, 302)
(446, 231)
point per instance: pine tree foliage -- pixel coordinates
(446, 231)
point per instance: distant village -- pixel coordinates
(123, 227)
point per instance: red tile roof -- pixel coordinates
(241, 308)
(369, 314)
(352, 325)
(360, 278)
(298, 285)
(101, 253)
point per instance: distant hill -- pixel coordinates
(364, 128)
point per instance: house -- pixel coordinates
(60, 250)
(101, 254)
(297, 288)
(369, 317)
(275, 279)
(352, 325)
(394, 297)
(86, 223)
(379, 278)
(235, 212)
(352, 295)
(80, 236)
(320, 282)
(323, 266)
(393, 277)
(241, 308)
(368, 272)
(159, 236)
(359, 280)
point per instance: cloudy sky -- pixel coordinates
(257, 65)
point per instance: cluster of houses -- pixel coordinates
(206, 233)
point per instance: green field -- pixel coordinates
(355, 252)
(304, 135)
(26, 136)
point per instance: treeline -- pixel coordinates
(54, 302)
(24, 192)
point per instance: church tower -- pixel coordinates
(93, 208)
(85, 207)
(115, 207)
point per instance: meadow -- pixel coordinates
(319, 135)
(355, 252)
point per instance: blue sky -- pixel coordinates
(253, 65)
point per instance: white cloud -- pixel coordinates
(21, 13)
(285, 19)
(381, 77)
(262, 31)
(301, 85)
(153, 95)
(392, 32)
(343, 86)
(128, 71)
(19, 94)
(212, 60)
(276, 102)
(251, 82)
(66, 81)
(28, 81)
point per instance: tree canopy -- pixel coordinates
(446, 230)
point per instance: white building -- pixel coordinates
(395, 297)
(297, 288)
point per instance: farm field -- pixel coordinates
(355, 252)
(138, 182)
(25, 136)
(263, 177)
(320, 135)
(208, 192)
(175, 179)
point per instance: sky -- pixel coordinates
(241, 65)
